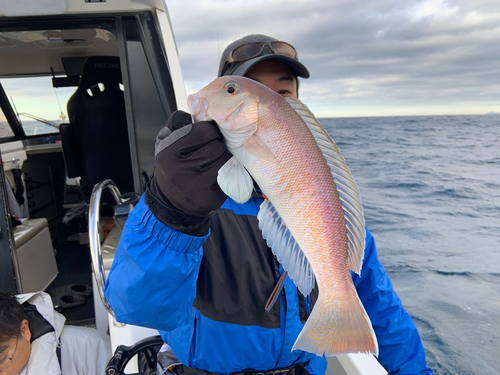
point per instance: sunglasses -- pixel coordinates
(250, 50)
(6, 362)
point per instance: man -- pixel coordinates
(35, 341)
(193, 264)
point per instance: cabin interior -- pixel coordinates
(82, 99)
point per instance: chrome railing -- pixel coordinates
(124, 205)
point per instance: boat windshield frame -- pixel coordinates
(144, 30)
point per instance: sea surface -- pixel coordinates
(30, 128)
(431, 194)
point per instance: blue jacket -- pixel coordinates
(205, 295)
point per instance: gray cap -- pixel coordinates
(241, 68)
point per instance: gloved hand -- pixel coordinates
(188, 157)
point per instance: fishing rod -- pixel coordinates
(48, 122)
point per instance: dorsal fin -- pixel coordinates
(283, 245)
(346, 186)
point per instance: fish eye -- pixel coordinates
(231, 87)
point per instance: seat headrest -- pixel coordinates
(100, 69)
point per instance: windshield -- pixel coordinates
(39, 107)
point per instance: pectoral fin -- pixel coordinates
(259, 149)
(235, 181)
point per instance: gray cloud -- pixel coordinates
(363, 56)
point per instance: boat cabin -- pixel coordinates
(83, 94)
(85, 86)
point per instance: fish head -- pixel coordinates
(233, 103)
(228, 100)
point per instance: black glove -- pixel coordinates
(184, 189)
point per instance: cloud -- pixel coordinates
(384, 54)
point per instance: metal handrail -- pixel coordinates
(95, 237)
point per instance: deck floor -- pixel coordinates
(74, 264)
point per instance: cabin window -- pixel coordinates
(5, 129)
(41, 67)
(38, 106)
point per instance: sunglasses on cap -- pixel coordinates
(250, 50)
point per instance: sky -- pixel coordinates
(366, 58)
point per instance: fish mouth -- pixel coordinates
(199, 106)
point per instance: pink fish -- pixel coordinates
(312, 217)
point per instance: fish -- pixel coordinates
(311, 217)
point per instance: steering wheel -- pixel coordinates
(146, 350)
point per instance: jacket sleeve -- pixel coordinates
(152, 281)
(400, 347)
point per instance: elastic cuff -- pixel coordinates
(176, 219)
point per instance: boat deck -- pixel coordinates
(74, 264)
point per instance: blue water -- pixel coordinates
(431, 194)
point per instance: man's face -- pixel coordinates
(20, 349)
(276, 76)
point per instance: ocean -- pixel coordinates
(431, 193)
(30, 128)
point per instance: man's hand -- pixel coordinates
(188, 157)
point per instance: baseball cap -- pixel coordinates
(241, 55)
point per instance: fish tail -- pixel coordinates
(337, 328)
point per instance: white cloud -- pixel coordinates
(432, 8)
(385, 54)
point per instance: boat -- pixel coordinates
(72, 179)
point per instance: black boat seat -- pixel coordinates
(96, 142)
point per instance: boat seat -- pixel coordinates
(35, 255)
(108, 251)
(108, 248)
(96, 142)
